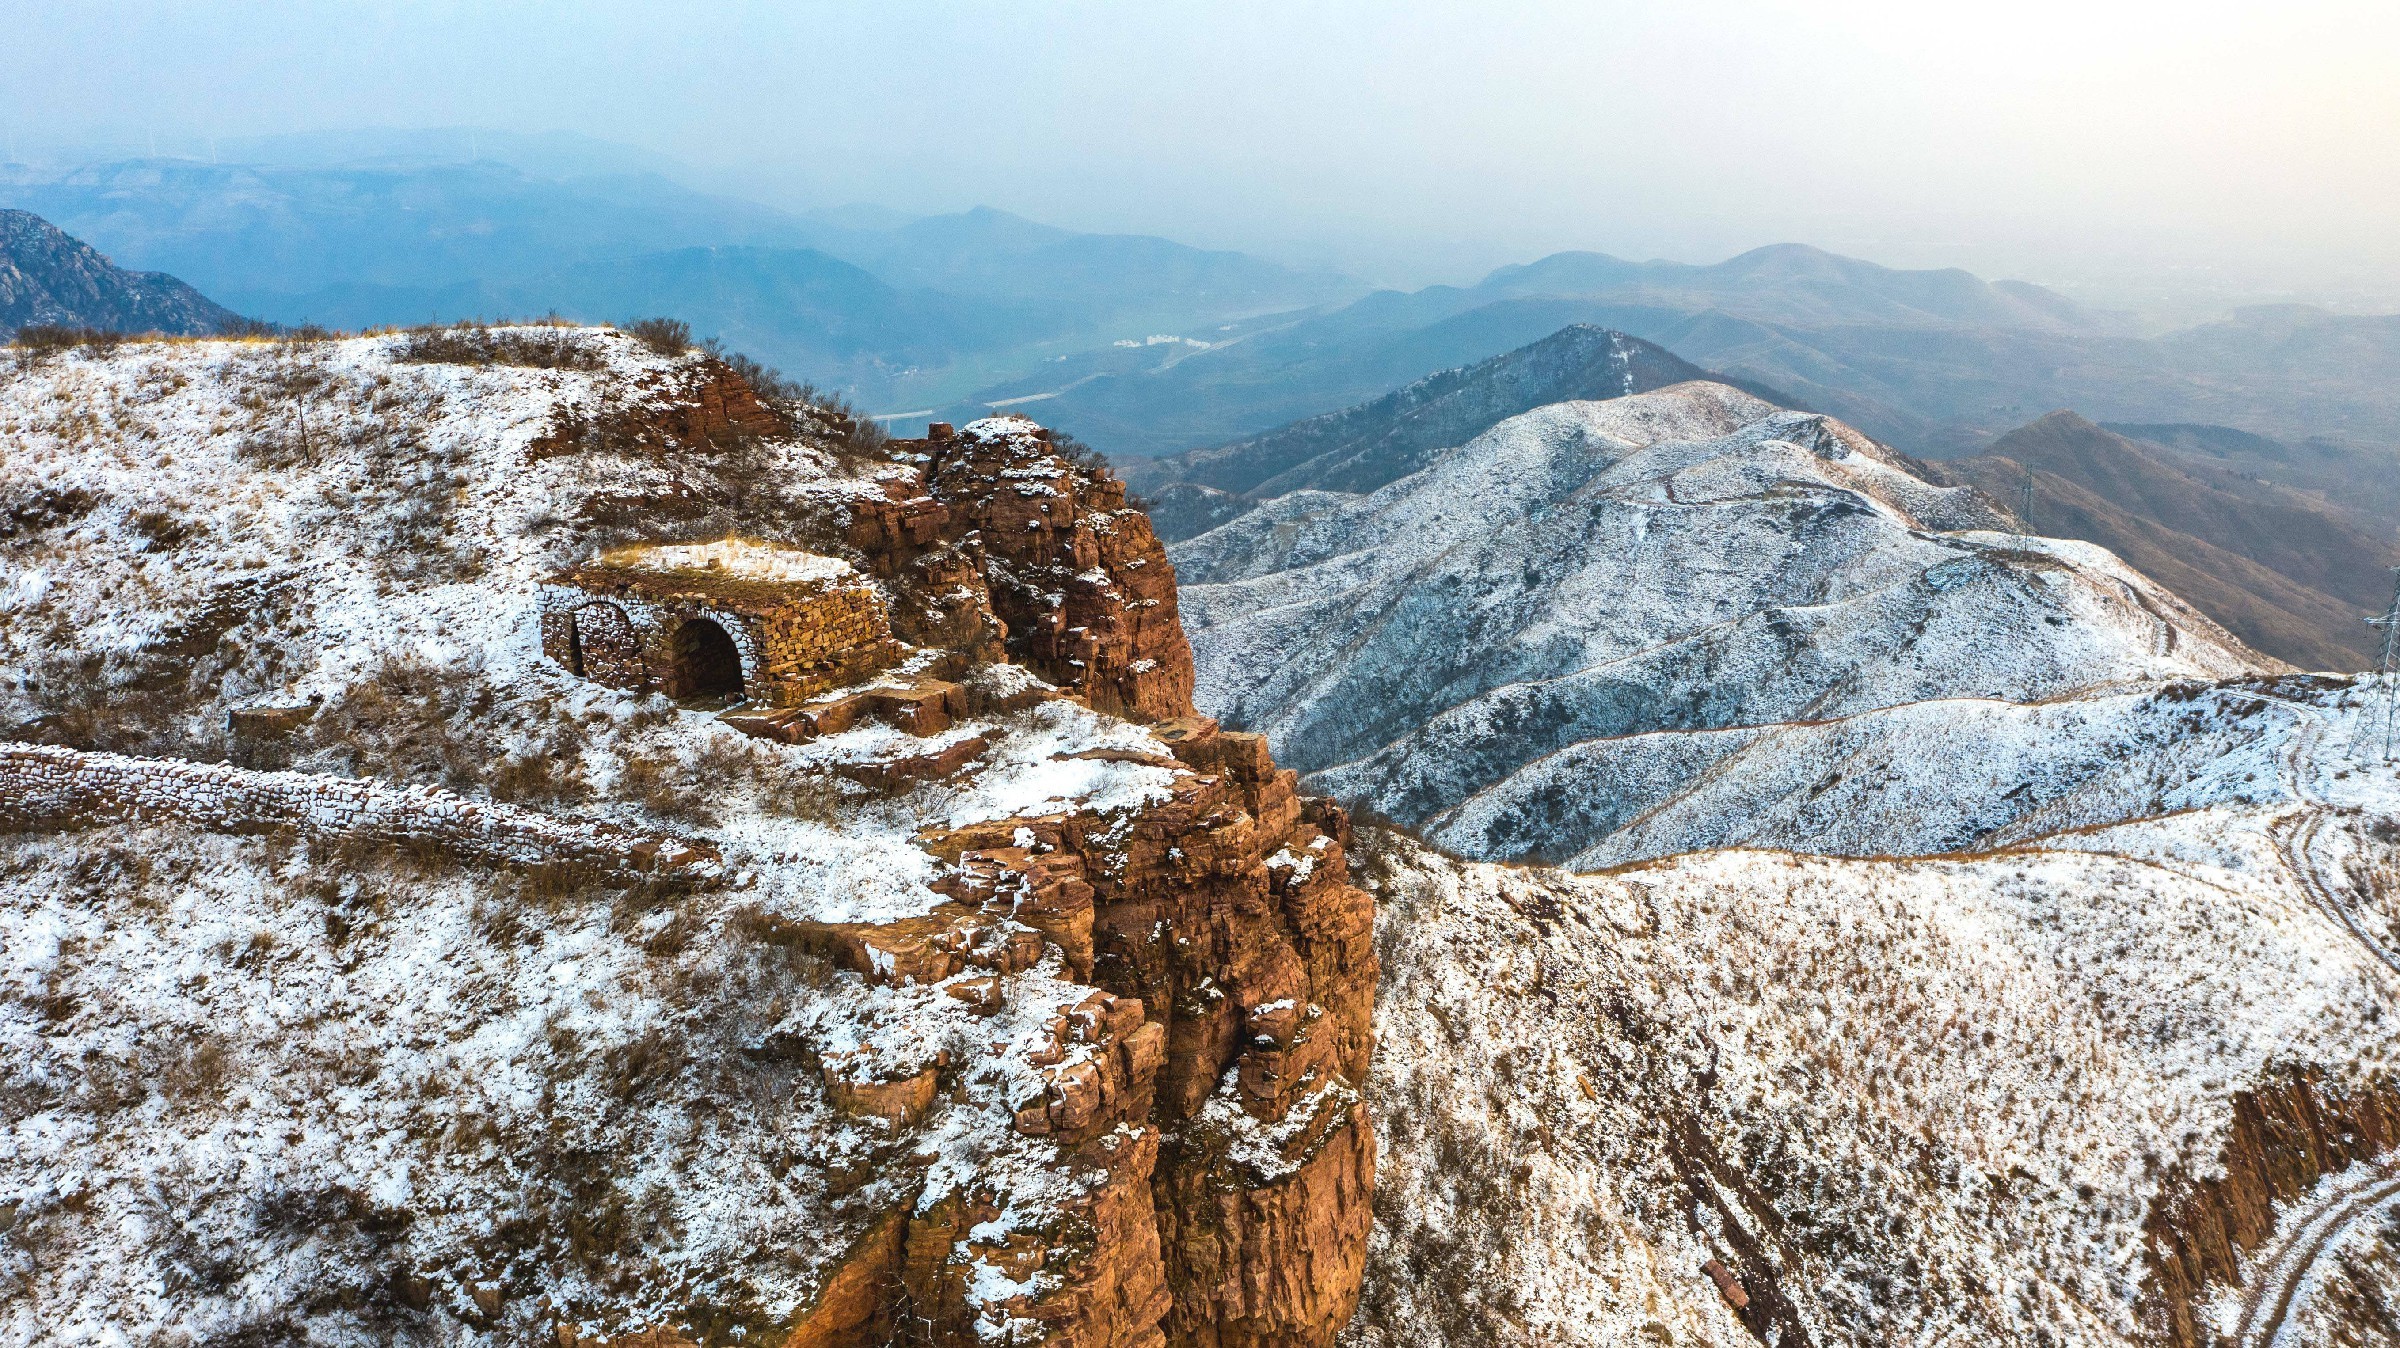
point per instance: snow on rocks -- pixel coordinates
(45, 785)
(379, 1097)
(899, 1052)
(733, 558)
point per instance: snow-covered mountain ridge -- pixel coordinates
(991, 1015)
(2106, 1063)
(1361, 448)
(949, 998)
(1616, 599)
(2106, 1087)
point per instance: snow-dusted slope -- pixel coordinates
(1462, 646)
(1362, 448)
(1953, 1100)
(326, 1085)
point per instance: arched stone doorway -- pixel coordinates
(706, 663)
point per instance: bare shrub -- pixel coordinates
(31, 511)
(402, 723)
(666, 336)
(1078, 454)
(549, 774)
(165, 531)
(796, 793)
(48, 339)
(662, 787)
(552, 348)
(196, 1073)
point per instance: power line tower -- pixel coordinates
(2389, 621)
(2027, 514)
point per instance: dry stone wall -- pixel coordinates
(44, 786)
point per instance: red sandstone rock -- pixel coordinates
(1081, 581)
(1218, 929)
(2285, 1136)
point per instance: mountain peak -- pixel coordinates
(2066, 419)
(1597, 599)
(2286, 571)
(48, 276)
(1364, 447)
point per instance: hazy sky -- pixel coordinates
(2110, 147)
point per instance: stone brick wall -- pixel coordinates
(43, 786)
(793, 645)
(572, 637)
(814, 640)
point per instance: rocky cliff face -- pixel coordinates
(1225, 911)
(1040, 1016)
(1083, 584)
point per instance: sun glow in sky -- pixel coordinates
(2240, 147)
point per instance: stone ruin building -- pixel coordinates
(731, 620)
(792, 644)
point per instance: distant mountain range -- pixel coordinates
(1936, 362)
(2289, 572)
(1145, 347)
(920, 309)
(48, 277)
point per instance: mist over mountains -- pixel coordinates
(1936, 363)
(923, 308)
(1143, 346)
(873, 874)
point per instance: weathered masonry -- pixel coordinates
(732, 619)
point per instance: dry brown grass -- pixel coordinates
(465, 343)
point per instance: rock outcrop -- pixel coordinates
(1204, 1097)
(1234, 962)
(998, 997)
(1081, 580)
(2286, 1136)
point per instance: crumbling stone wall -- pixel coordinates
(626, 641)
(44, 786)
(794, 642)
